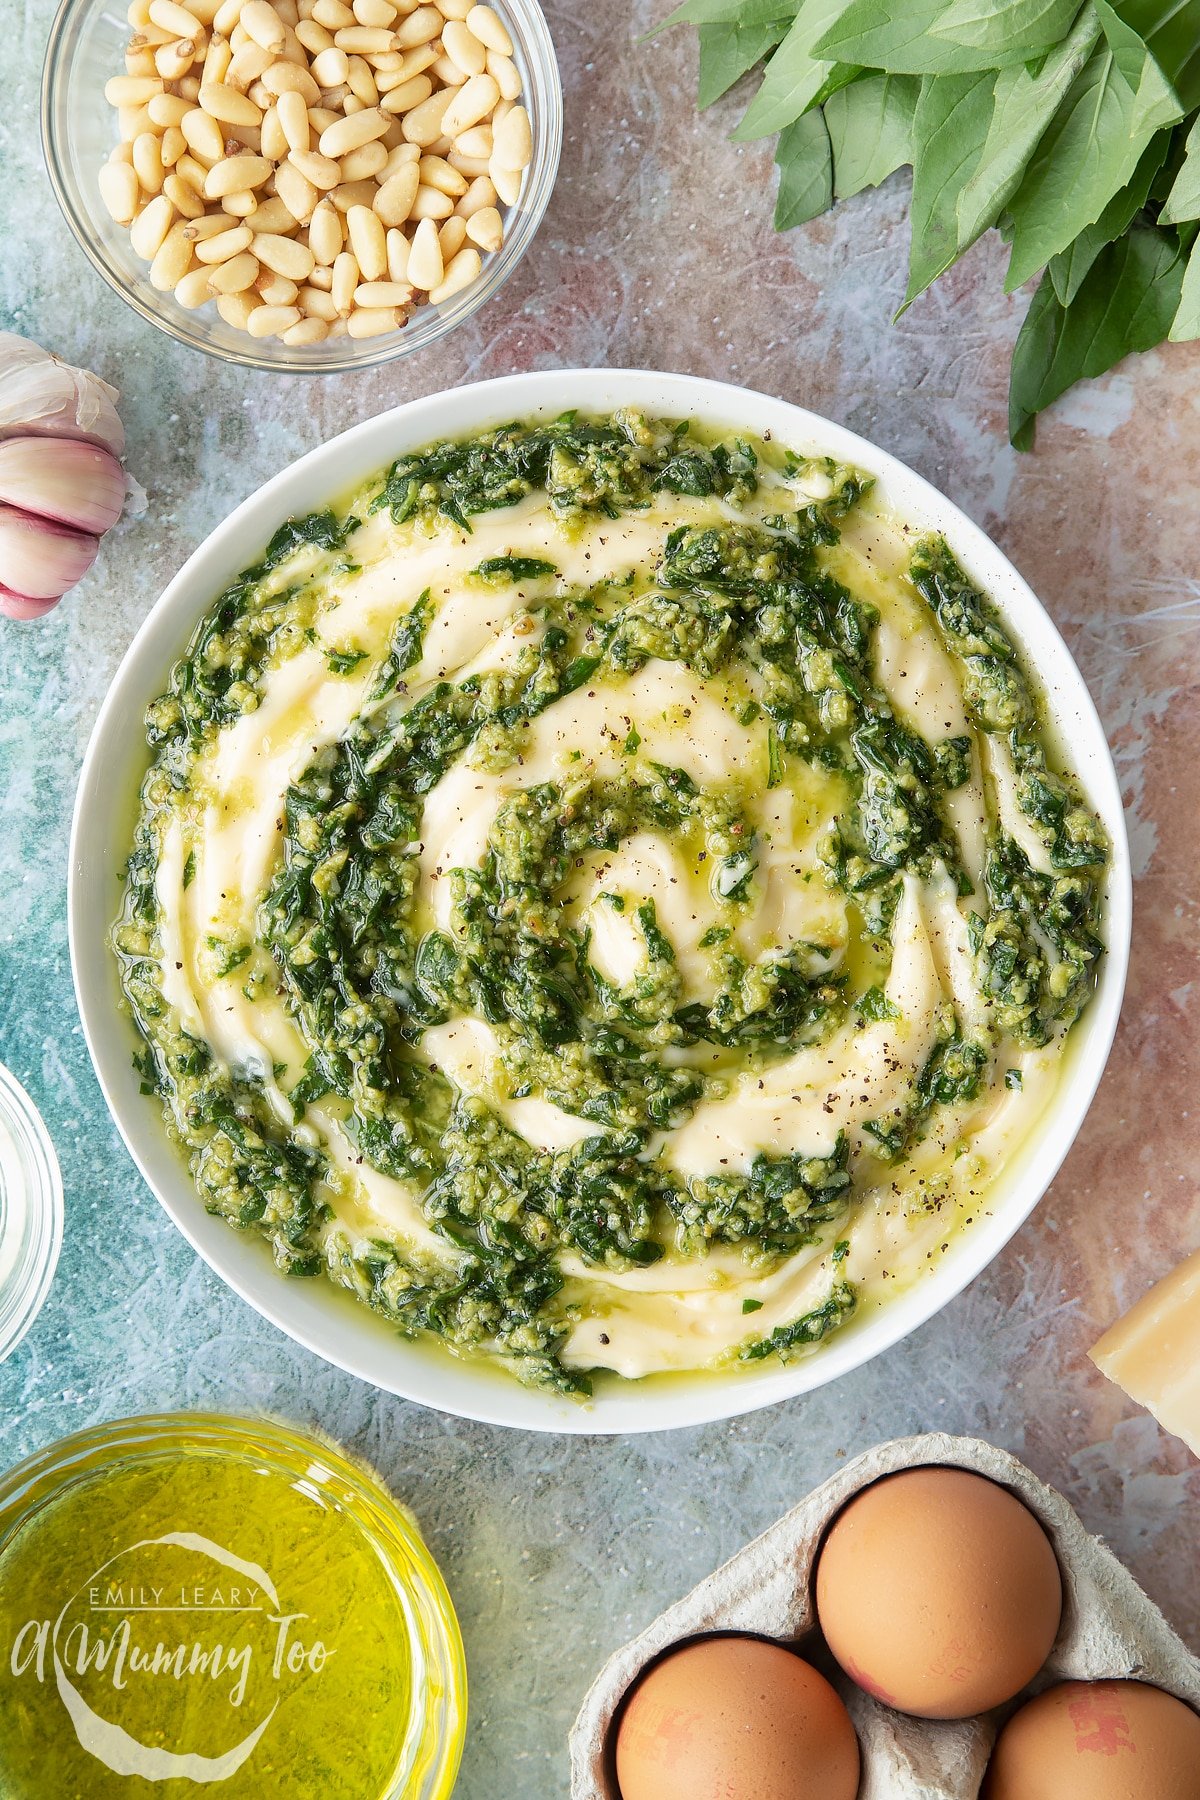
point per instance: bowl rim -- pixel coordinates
(41, 1245)
(308, 1312)
(269, 354)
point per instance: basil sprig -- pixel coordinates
(1072, 127)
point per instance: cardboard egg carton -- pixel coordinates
(1109, 1628)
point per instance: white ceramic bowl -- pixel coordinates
(314, 1312)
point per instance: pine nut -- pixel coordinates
(372, 322)
(202, 135)
(485, 228)
(362, 81)
(397, 255)
(226, 17)
(417, 61)
(247, 63)
(272, 216)
(264, 25)
(236, 275)
(374, 12)
(325, 235)
(169, 16)
(423, 125)
(321, 171)
(365, 162)
(234, 174)
(354, 193)
(229, 105)
(410, 93)
(276, 290)
(174, 60)
(473, 101)
(172, 259)
(189, 88)
(362, 39)
(293, 120)
(462, 272)
(489, 29)
(330, 67)
(210, 226)
(349, 133)
(385, 62)
(455, 9)
(368, 242)
(168, 112)
(473, 167)
(270, 321)
(314, 37)
(394, 201)
(285, 255)
(464, 48)
(192, 290)
(241, 205)
(503, 71)
(190, 170)
(425, 268)
(476, 142)
(513, 140)
(333, 15)
(131, 120)
(224, 245)
(452, 235)
(431, 203)
(305, 331)
(479, 196)
(288, 78)
(119, 191)
(147, 160)
(382, 293)
(435, 172)
(317, 304)
(420, 27)
(132, 90)
(183, 198)
(235, 309)
(507, 182)
(151, 226)
(345, 280)
(217, 59)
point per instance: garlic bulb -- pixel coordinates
(61, 485)
(38, 393)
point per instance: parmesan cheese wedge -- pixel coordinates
(1153, 1353)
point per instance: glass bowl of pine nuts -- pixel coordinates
(303, 185)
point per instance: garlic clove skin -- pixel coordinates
(20, 606)
(40, 393)
(62, 479)
(40, 559)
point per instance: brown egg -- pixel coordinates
(938, 1592)
(733, 1718)
(1098, 1740)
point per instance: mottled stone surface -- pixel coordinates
(657, 252)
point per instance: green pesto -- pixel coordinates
(745, 603)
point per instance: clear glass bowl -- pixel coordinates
(79, 129)
(211, 1531)
(31, 1212)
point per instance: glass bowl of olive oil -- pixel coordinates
(31, 1212)
(188, 1599)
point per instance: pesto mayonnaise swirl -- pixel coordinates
(606, 898)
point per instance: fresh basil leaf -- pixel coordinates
(949, 131)
(805, 172)
(1026, 101)
(870, 131)
(1186, 323)
(1070, 266)
(1127, 301)
(903, 40)
(1183, 201)
(1091, 148)
(1170, 30)
(728, 51)
(995, 25)
(727, 12)
(794, 76)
